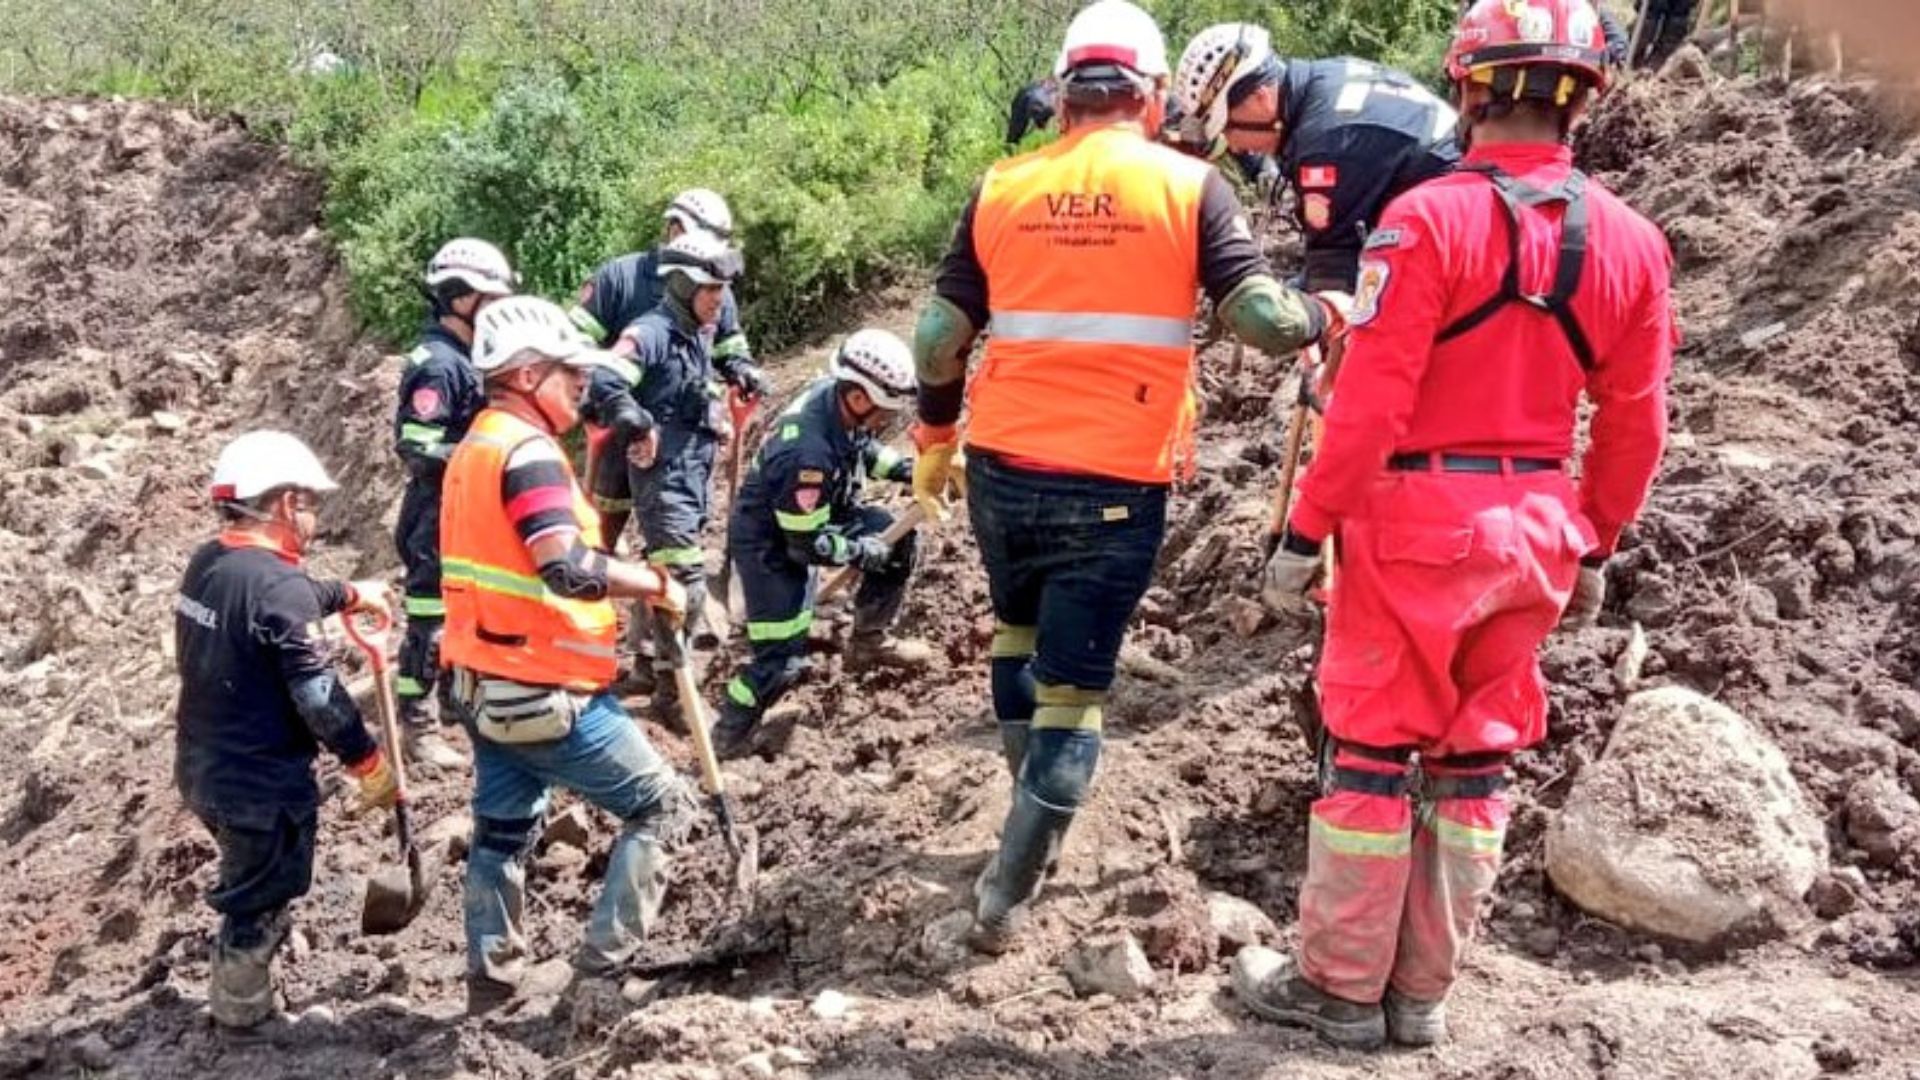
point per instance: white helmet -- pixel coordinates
(474, 263)
(260, 461)
(1113, 33)
(701, 210)
(1216, 59)
(521, 330)
(881, 364)
(703, 257)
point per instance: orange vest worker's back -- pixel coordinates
(1091, 248)
(502, 620)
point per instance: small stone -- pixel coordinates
(1246, 616)
(1760, 335)
(1633, 660)
(758, 1064)
(830, 1005)
(1521, 911)
(317, 1016)
(93, 1052)
(1237, 923)
(1649, 953)
(786, 1057)
(96, 468)
(1741, 458)
(1543, 942)
(573, 826)
(167, 423)
(635, 990)
(1761, 605)
(762, 1007)
(76, 447)
(298, 947)
(1832, 896)
(562, 858)
(1116, 966)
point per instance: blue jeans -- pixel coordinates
(607, 760)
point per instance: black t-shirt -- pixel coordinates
(247, 629)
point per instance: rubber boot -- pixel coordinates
(869, 650)
(663, 703)
(1271, 986)
(629, 906)
(733, 731)
(1031, 838)
(240, 992)
(1414, 1023)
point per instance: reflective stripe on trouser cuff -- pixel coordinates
(1468, 838)
(408, 686)
(676, 556)
(1092, 328)
(1393, 845)
(741, 693)
(1013, 641)
(1067, 708)
(609, 504)
(784, 630)
(426, 607)
(809, 522)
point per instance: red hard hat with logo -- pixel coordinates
(1497, 34)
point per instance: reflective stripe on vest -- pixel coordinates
(502, 620)
(1091, 248)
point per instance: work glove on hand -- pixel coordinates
(938, 464)
(379, 788)
(1288, 578)
(749, 380)
(369, 596)
(1589, 593)
(670, 598)
(644, 449)
(871, 553)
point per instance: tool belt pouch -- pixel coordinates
(514, 713)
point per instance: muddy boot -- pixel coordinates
(869, 650)
(1029, 842)
(427, 748)
(240, 993)
(733, 731)
(1415, 1023)
(629, 906)
(1271, 986)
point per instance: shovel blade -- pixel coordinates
(391, 901)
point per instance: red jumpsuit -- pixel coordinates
(1454, 569)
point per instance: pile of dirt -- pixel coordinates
(1777, 569)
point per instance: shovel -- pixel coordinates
(396, 894)
(742, 844)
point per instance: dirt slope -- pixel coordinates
(150, 260)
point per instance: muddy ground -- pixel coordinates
(163, 284)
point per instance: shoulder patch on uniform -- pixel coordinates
(812, 476)
(1319, 176)
(1368, 290)
(1317, 211)
(425, 403)
(1385, 238)
(789, 432)
(806, 498)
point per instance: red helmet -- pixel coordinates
(1527, 33)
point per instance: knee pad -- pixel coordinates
(511, 838)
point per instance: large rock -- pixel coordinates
(1690, 826)
(1116, 966)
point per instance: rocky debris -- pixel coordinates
(1237, 923)
(93, 1052)
(1114, 966)
(1883, 820)
(573, 826)
(758, 1064)
(1247, 617)
(830, 1005)
(167, 423)
(1690, 826)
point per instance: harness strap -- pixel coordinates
(1571, 266)
(1465, 776)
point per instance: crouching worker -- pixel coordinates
(258, 697)
(530, 644)
(799, 508)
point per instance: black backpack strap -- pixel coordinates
(1571, 266)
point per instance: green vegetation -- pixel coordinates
(846, 133)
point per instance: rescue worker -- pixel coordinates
(1462, 538)
(669, 440)
(615, 297)
(258, 698)
(1668, 24)
(1082, 259)
(1347, 134)
(1033, 109)
(439, 396)
(530, 649)
(799, 508)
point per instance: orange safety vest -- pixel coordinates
(1091, 248)
(502, 620)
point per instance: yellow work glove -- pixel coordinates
(379, 788)
(937, 464)
(369, 596)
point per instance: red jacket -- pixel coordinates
(1511, 386)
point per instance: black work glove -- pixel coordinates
(871, 553)
(902, 471)
(630, 422)
(748, 379)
